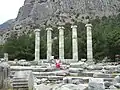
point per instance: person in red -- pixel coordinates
(58, 63)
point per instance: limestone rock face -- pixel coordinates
(43, 11)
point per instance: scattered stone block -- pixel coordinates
(107, 84)
(42, 87)
(116, 79)
(96, 84)
(67, 80)
(112, 87)
(117, 85)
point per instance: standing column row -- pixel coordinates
(61, 43)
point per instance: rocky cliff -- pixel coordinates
(7, 25)
(45, 12)
(52, 11)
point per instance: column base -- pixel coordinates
(90, 62)
(75, 60)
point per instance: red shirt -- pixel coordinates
(57, 63)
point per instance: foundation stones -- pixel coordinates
(83, 78)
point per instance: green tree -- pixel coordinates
(20, 48)
(113, 43)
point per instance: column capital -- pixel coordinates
(88, 25)
(49, 29)
(61, 27)
(37, 30)
(73, 26)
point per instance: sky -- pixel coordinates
(9, 9)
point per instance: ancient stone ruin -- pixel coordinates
(73, 74)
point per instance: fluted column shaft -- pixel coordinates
(49, 43)
(37, 44)
(89, 43)
(61, 43)
(74, 42)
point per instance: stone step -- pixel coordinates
(110, 67)
(75, 70)
(74, 74)
(20, 83)
(19, 80)
(86, 74)
(35, 69)
(51, 77)
(108, 79)
(20, 68)
(54, 73)
(81, 79)
(105, 75)
(21, 86)
(43, 69)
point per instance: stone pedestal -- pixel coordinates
(74, 43)
(49, 43)
(61, 43)
(89, 44)
(37, 44)
(6, 56)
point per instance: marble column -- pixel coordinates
(37, 45)
(49, 43)
(89, 44)
(61, 43)
(74, 42)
